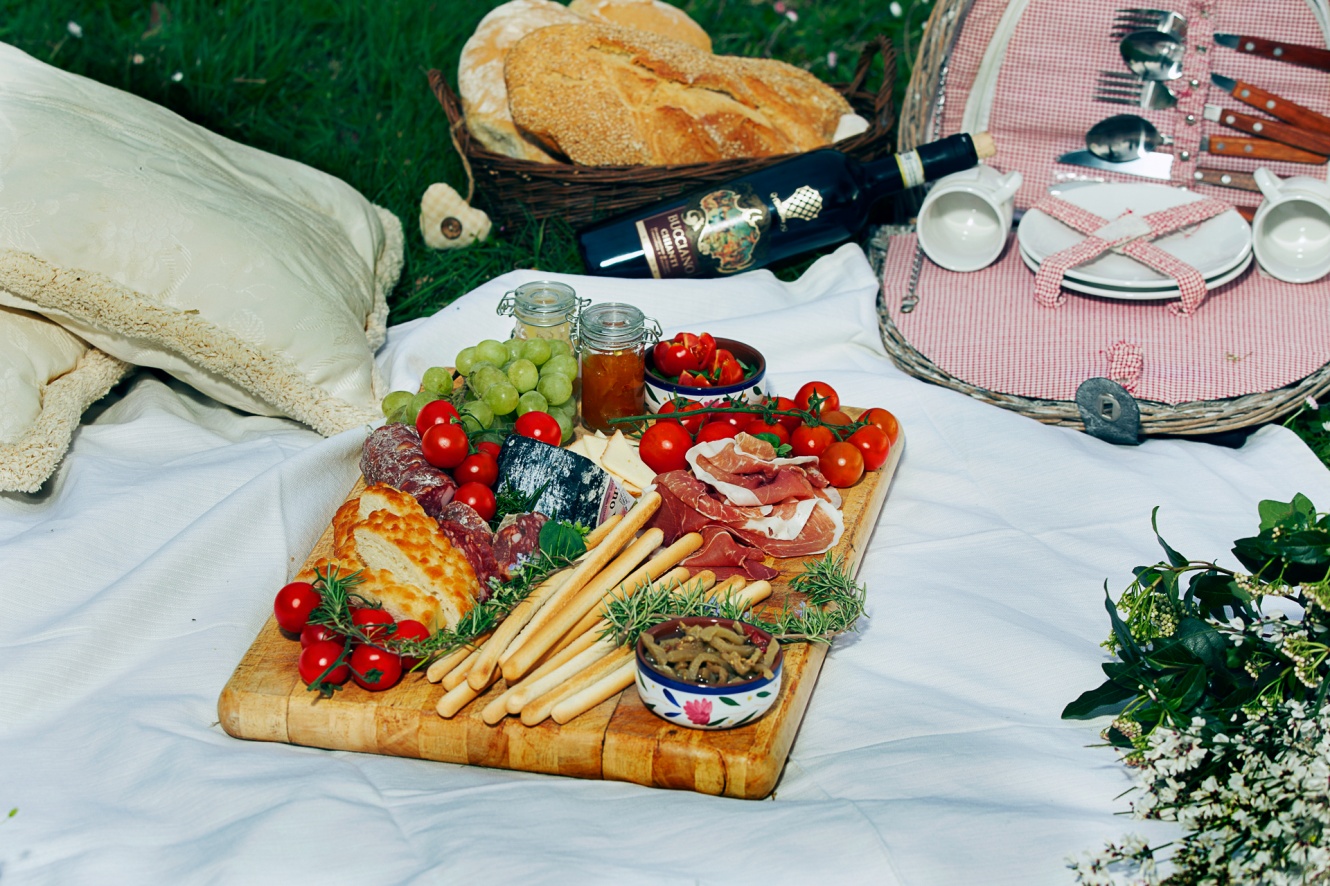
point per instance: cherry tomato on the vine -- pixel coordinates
(436, 412)
(672, 408)
(737, 420)
(410, 629)
(842, 464)
(489, 447)
(829, 398)
(539, 426)
(445, 445)
(293, 605)
(317, 658)
(873, 444)
(663, 447)
(881, 418)
(478, 467)
(811, 440)
(375, 669)
(313, 633)
(374, 623)
(716, 430)
(776, 430)
(789, 422)
(835, 417)
(478, 496)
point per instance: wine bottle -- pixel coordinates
(798, 205)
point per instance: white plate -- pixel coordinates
(1143, 294)
(1168, 284)
(1214, 247)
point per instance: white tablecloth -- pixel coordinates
(932, 750)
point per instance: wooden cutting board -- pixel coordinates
(620, 739)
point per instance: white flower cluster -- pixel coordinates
(1255, 804)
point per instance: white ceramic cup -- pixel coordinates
(1291, 230)
(966, 217)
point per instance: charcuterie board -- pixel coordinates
(620, 739)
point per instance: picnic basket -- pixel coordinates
(511, 190)
(920, 110)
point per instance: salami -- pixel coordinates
(471, 535)
(392, 456)
(517, 539)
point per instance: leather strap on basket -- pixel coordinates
(1131, 235)
(1126, 361)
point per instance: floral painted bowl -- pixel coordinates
(753, 389)
(705, 707)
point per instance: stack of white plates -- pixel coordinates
(1220, 247)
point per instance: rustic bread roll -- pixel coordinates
(610, 96)
(398, 599)
(377, 497)
(418, 555)
(655, 16)
(480, 82)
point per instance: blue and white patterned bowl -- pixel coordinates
(705, 707)
(754, 389)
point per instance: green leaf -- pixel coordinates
(1203, 641)
(1109, 698)
(1190, 689)
(1174, 558)
(1128, 650)
(561, 540)
(1276, 513)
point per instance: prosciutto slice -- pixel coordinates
(726, 555)
(747, 471)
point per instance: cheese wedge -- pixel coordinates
(621, 459)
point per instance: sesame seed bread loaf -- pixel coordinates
(401, 601)
(655, 16)
(377, 497)
(610, 96)
(418, 555)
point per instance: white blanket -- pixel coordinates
(932, 750)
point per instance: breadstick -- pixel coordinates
(536, 685)
(484, 666)
(585, 569)
(562, 653)
(597, 535)
(605, 688)
(539, 710)
(457, 698)
(653, 570)
(459, 673)
(729, 586)
(543, 639)
(754, 593)
(444, 666)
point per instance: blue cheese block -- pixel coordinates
(575, 488)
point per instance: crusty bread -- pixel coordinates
(377, 497)
(610, 96)
(480, 82)
(655, 16)
(401, 601)
(417, 554)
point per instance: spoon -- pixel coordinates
(1124, 137)
(1153, 55)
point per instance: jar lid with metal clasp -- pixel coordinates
(615, 326)
(542, 304)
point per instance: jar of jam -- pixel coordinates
(612, 343)
(543, 309)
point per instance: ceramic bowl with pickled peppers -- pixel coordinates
(705, 369)
(708, 673)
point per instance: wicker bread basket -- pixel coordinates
(1202, 417)
(510, 189)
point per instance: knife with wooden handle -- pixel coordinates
(1257, 149)
(1316, 142)
(1242, 180)
(1280, 109)
(1293, 53)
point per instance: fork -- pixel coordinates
(1122, 88)
(1166, 20)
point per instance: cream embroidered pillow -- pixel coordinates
(256, 279)
(47, 378)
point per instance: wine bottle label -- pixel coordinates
(721, 232)
(912, 169)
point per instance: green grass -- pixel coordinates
(342, 87)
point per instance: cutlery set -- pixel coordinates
(1152, 45)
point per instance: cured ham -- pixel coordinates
(747, 471)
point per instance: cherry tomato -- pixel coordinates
(842, 464)
(717, 430)
(693, 380)
(663, 447)
(883, 419)
(316, 658)
(703, 347)
(873, 444)
(737, 420)
(445, 445)
(479, 496)
(313, 633)
(689, 424)
(375, 669)
(811, 440)
(489, 447)
(293, 605)
(410, 629)
(789, 422)
(478, 467)
(835, 417)
(374, 623)
(776, 430)
(436, 412)
(726, 370)
(539, 426)
(829, 398)
(673, 357)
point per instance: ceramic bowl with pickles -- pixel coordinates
(708, 673)
(705, 369)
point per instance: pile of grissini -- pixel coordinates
(550, 649)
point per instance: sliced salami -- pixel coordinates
(392, 456)
(517, 540)
(471, 535)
